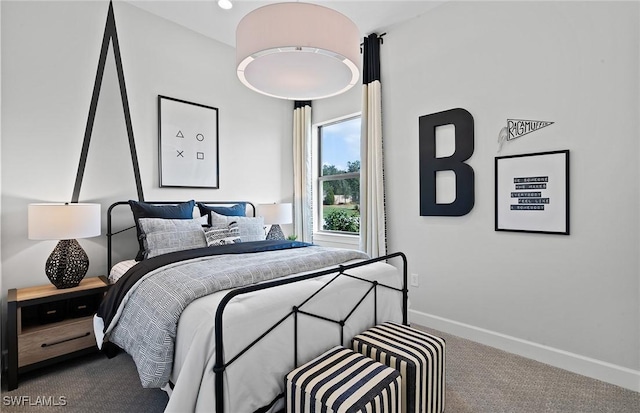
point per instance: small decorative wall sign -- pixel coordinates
(532, 192)
(188, 144)
(519, 127)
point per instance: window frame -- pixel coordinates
(319, 179)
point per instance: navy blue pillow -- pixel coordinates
(182, 210)
(238, 210)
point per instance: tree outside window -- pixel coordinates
(339, 176)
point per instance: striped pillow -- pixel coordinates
(251, 229)
(223, 235)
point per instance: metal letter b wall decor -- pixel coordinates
(430, 164)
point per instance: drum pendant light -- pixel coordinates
(297, 51)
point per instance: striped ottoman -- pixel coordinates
(418, 356)
(342, 380)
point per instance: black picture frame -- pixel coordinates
(532, 193)
(188, 144)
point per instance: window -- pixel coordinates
(339, 176)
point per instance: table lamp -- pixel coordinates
(68, 263)
(274, 215)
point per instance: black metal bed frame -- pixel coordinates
(115, 204)
(221, 364)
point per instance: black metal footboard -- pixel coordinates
(296, 311)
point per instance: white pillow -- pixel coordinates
(120, 269)
(162, 236)
(250, 228)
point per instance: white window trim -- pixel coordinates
(337, 240)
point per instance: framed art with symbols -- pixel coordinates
(188, 144)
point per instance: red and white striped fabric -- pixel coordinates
(418, 356)
(342, 380)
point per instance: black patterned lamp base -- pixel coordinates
(275, 232)
(67, 265)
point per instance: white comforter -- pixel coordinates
(258, 376)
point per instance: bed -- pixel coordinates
(218, 327)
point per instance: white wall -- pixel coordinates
(573, 63)
(49, 58)
(328, 109)
(570, 301)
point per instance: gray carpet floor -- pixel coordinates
(480, 379)
(484, 379)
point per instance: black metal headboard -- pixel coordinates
(110, 233)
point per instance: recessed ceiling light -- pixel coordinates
(225, 4)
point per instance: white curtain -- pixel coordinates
(373, 232)
(302, 196)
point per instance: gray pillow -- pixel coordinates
(162, 236)
(250, 228)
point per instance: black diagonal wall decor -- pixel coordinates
(110, 35)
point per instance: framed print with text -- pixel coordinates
(532, 193)
(188, 144)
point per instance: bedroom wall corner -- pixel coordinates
(573, 63)
(49, 58)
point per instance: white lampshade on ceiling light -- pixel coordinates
(297, 51)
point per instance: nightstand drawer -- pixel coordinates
(60, 338)
(52, 312)
(84, 306)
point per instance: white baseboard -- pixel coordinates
(596, 369)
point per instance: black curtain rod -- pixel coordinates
(380, 36)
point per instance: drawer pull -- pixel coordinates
(51, 312)
(82, 307)
(65, 340)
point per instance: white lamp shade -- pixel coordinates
(63, 221)
(276, 213)
(297, 51)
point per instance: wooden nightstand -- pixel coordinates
(47, 325)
